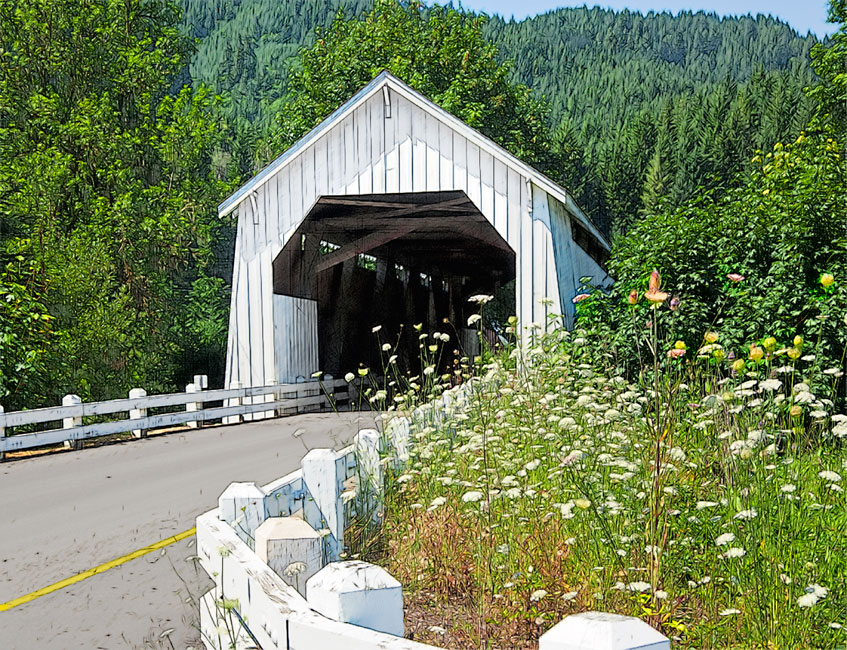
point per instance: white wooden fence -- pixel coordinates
(238, 404)
(273, 553)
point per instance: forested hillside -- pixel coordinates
(115, 148)
(645, 107)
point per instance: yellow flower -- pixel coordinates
(793, 353)
(363, 372)
(582, 504)
(798, 341)
(711, 337)
(769, 343)
(827, 279)
(796, 410)
(756, 353)
(718, 354)
(738, 365)
(680, 345)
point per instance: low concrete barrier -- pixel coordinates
(274, 554)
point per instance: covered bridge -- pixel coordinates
(392, 212)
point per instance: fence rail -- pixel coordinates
(239, 404)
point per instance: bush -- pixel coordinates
(782, 232)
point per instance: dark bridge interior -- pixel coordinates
(392, 260)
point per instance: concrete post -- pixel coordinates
(138, 414)
(2, 435)
(324, 473)
(369, 473)
(291, 547)
(600, 631)
(70, 423)
(192, 407)
(399, 434)
(233, 401)
(242, 506)
(359, 593)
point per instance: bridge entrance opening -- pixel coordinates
(391, 260)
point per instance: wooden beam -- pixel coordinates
(362, 245)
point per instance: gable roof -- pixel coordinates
(385, 80)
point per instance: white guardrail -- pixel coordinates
(274, 554)
(239, 404)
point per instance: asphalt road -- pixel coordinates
(65, 513)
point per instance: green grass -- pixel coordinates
(715, 512)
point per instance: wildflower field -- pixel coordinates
(704, 493)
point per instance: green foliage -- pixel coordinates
(781, 230)
(829, 62)
(25, 334)
(699, 90)
(707, 502)
(107, 187)
(440, 52)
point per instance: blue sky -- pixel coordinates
(802, 15)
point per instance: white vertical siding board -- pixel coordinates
(309, 174)
(351, 172)
(405, 145)
(376, 112)
(501, 208)
(433, 163)
(445, 157)
(232, 356)
(321, 168)
(389, 126)
(486, 173)
(296, 187)
(363, 149)
(295, 332)
(526, 255)
(474, 182)
(268, 316)
(540, 237)
(460, 163)
(335, 156)
(563, 254)
(418, 150)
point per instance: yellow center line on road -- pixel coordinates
(67, 582)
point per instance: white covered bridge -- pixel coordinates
(392, 212)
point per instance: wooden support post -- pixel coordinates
(137, 414)
(70, 423)
(192, 407)
(234, 401)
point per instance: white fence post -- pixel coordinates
(2, 435)
(70, 423)
(137, 414)
(192, 407)
(369, 473)
(233, 401)
(242, 506)
(601, 631)
(324, 473)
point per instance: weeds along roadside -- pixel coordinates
(703, 494)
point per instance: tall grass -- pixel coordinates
(704, 494)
